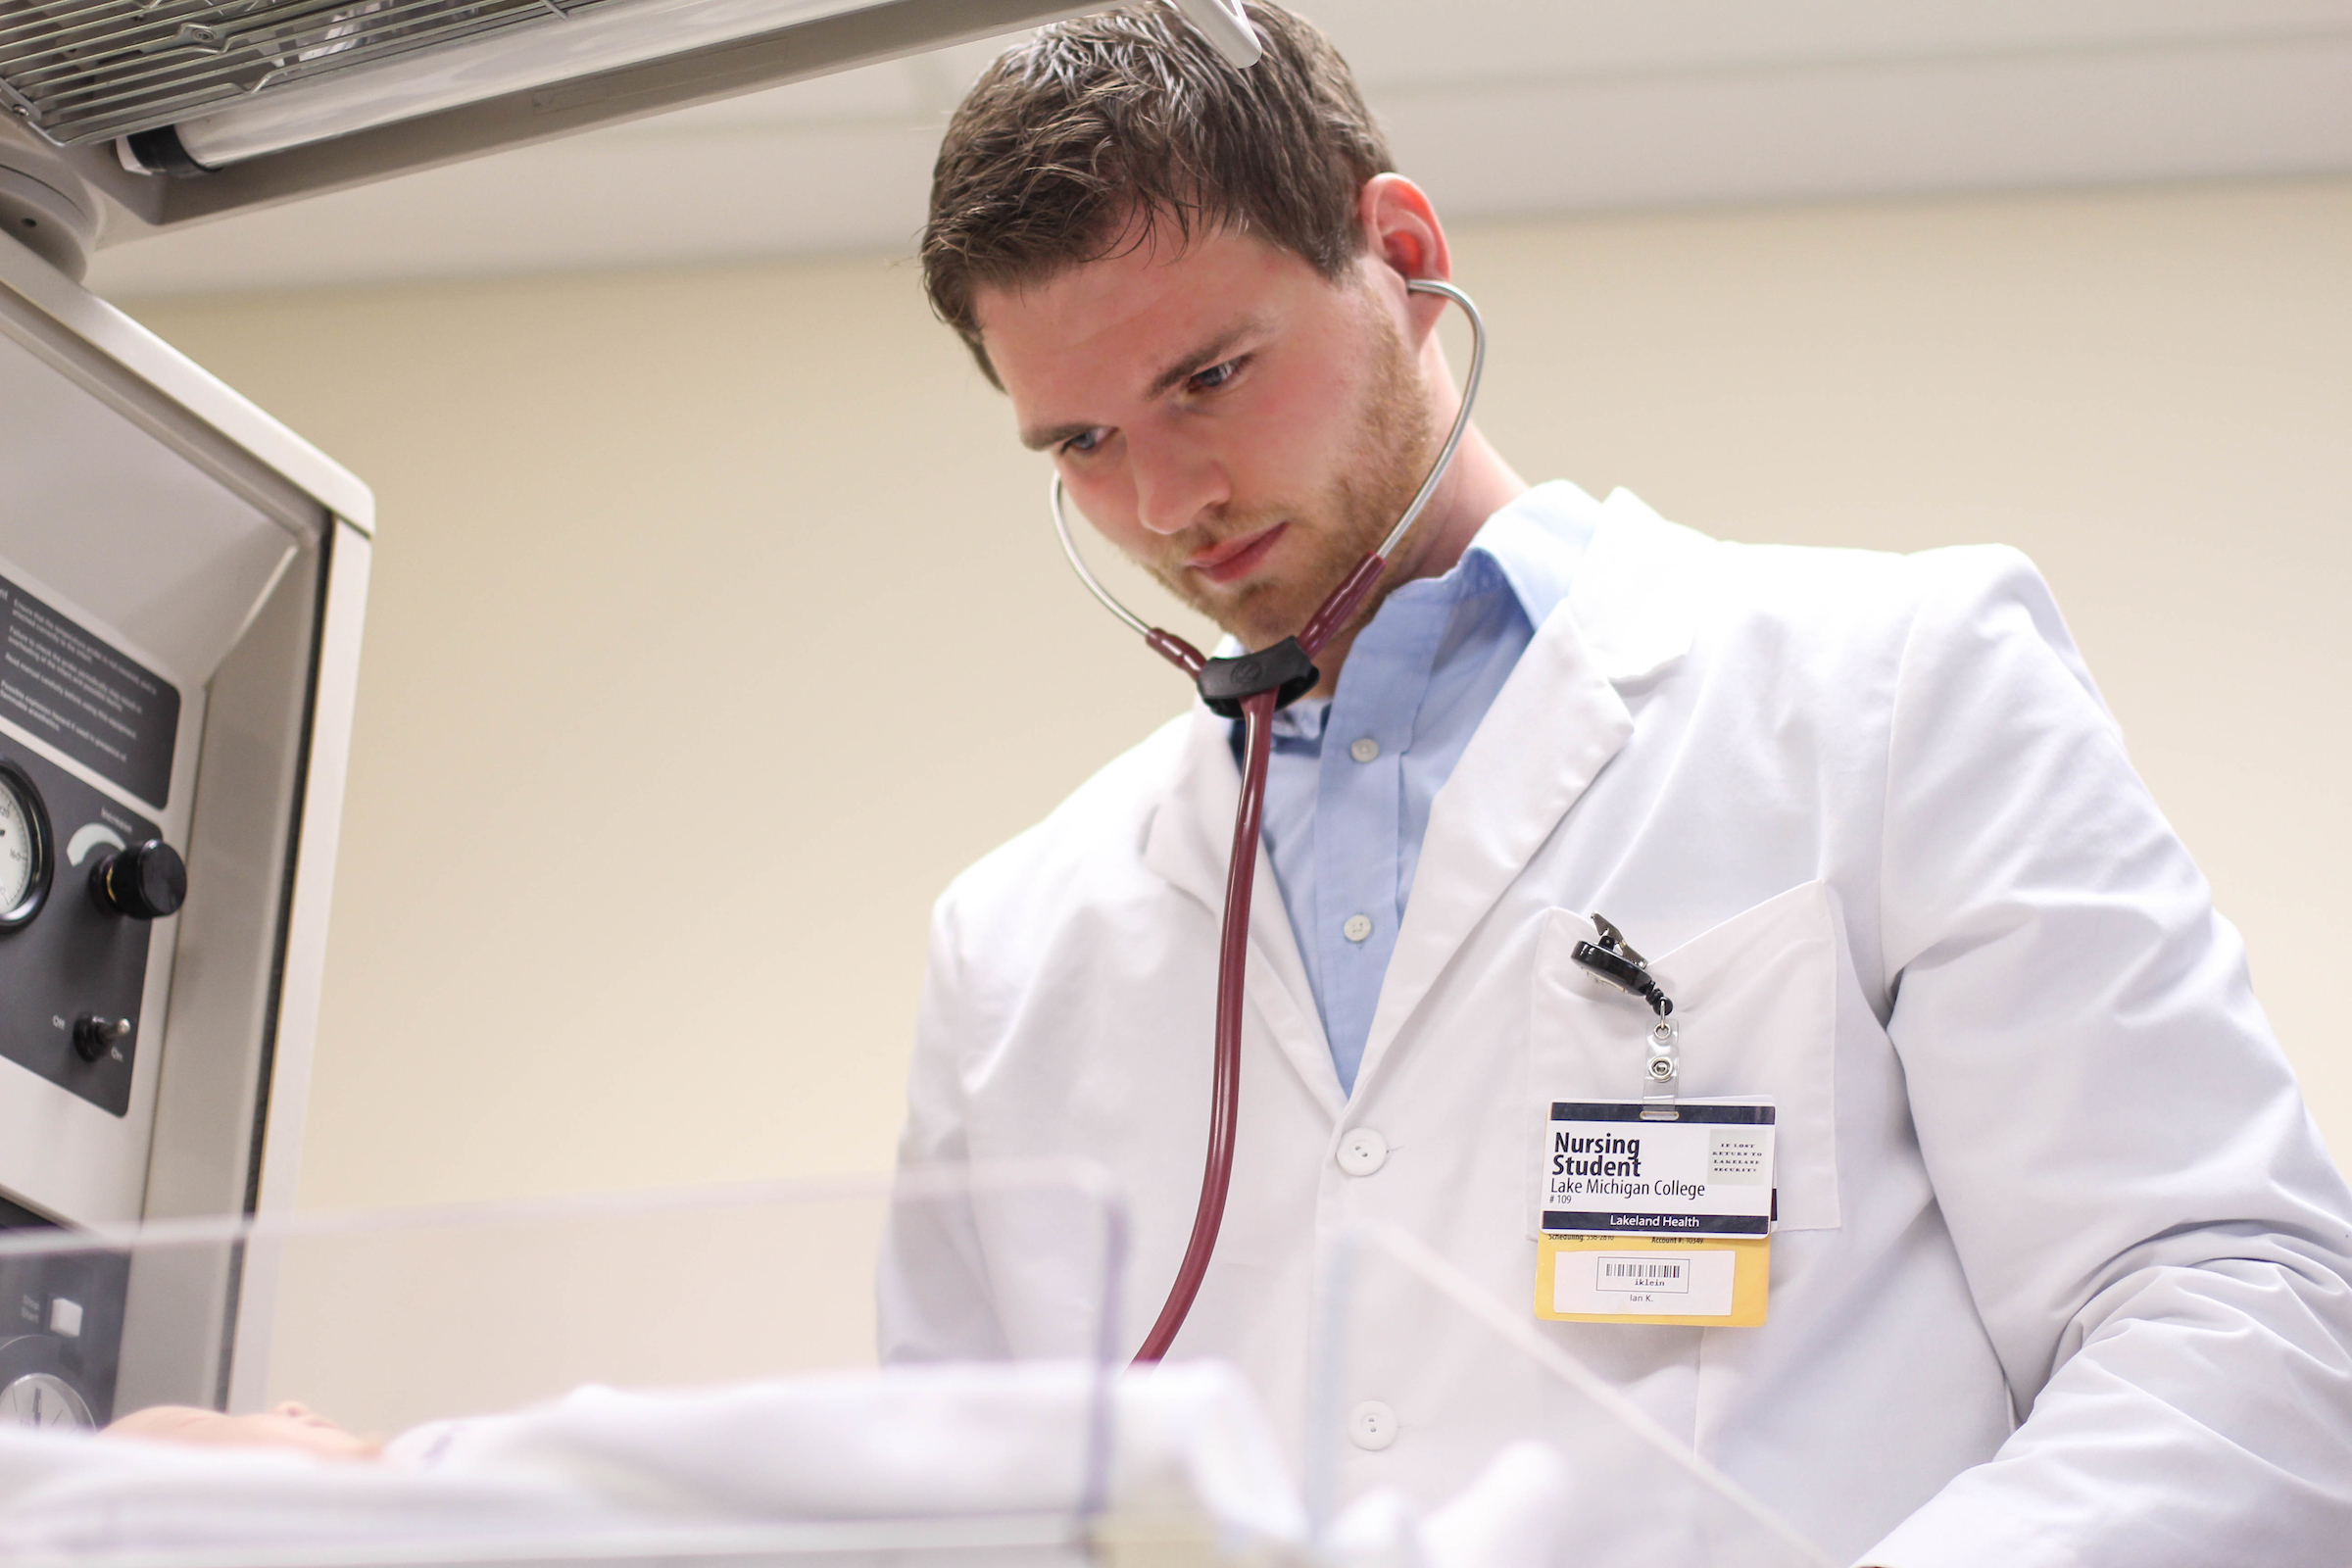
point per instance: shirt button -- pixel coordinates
(1362, 1152)
(1372, 1425)
(1358, 927)
(1365, 750)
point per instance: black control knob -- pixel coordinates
(147, 881)
(94, 1037)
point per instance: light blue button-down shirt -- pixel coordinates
(1352, 775)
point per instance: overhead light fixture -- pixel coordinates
(255, 101)
(338, 67)
(344, 66)
(258, 101)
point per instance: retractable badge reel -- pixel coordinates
(1657, 1208)
(1613, 961)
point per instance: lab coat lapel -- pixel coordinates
(1552, 727)
(1188, 842)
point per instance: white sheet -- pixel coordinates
(914, 1443)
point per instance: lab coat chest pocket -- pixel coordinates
(1755, 999)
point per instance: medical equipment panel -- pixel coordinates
(73, 965)
(61, 1337)
(181, 582)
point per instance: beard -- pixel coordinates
(1386, 458)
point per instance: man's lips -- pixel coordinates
(1232, 560)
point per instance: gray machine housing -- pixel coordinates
(164, 529)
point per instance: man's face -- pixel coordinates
(1242, 427)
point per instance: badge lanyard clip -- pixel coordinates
(1662, 1074)
(1613, 962)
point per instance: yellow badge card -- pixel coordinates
(1690, 1281)
(1657, 1213)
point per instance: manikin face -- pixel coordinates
(1242, 427)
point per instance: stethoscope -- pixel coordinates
(1250, 687)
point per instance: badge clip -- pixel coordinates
(1663, 1075)
(1613, 962)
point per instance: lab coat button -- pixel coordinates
(1372, 1425)
(1364, 750)
(1358, 927)
(1361, 1153)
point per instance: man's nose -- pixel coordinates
(1175, 484)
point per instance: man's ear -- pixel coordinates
(1402, 232)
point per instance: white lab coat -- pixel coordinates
(2040, 1158)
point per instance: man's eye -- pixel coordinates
(1085, 441)
(1215, 376)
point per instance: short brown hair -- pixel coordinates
(1129, 117)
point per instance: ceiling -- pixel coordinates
(1497, 107)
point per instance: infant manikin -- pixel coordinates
(286, 1425)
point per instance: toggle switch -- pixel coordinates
(94, 1037)
(147, 881)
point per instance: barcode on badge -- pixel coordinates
(1616, 1272)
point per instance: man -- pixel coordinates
(2058, 1265)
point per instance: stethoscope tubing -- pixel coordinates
(1338, 609)
(1462, 415)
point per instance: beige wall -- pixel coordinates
(715, 623)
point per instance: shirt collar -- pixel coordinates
(1532, 545)
(1536, 543)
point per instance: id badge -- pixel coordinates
(1650, 1220)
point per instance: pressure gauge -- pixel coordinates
(42, 1399)
(25, 856)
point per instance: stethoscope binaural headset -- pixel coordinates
(1250, 687)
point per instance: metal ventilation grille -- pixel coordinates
(81, 70)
